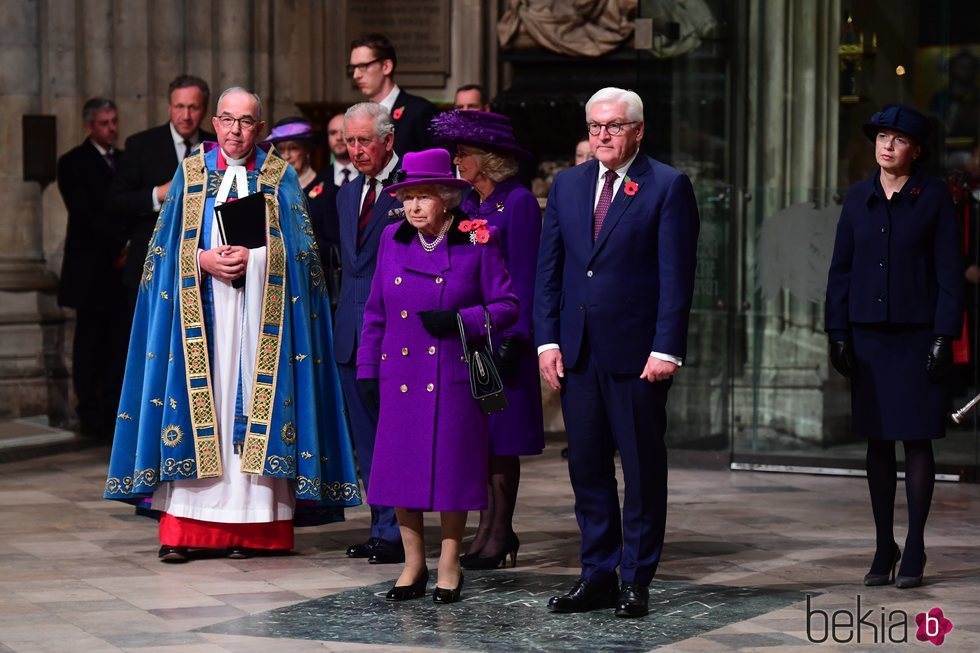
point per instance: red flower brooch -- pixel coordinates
(316, 190)
(477, 229)
(915, 192)
(630, 187)
(397, 113)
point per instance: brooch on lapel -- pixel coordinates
(500, 207)
(397, 113)
(630, 187)
(316, 190)
(915, 192)
(477, 229)
(396, 214)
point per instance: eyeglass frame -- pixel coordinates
(598, 127)
(352, 67)
(245, 126)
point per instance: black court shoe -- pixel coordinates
(495, 561)
(407, 592)
(907, 582)
(448, 596)
(873, 580)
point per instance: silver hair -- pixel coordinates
(383, 124)
(451, 196)
(232, 90)
(95, 105)
(634, 105)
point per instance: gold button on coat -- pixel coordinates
(432, 350)
(430, 387)
(404, 351)
(398, 281)
(404, 388)
(438, 279)
(384, 357)
(404, 313)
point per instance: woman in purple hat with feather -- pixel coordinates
(486, 156)
(432, 441)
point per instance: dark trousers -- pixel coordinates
(604, 412)
(98, 361)
(364, 426)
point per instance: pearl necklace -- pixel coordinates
(430, 247)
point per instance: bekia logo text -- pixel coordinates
(874, 625)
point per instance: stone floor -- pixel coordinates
(743, 552)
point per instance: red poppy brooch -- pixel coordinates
(316, 190)
(397, 113)
(477, 229)
(915, 192)
(630, 187)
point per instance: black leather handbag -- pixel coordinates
(485, 383)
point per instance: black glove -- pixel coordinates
(439, 323)
(370, 393)
(940, 360)
(508, 357)
(842, 357)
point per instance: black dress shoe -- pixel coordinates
(634, 601)
(241, 553)
(173, 554)
(442, 595)
(407, 592)
(387, 553)
(586, 595)
(362, 550)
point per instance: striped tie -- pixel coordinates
(602, 208)
(365, 214)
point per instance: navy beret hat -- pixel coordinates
(901, 118)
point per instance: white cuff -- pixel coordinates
(679, 362)
(156, 203)
(544, 348)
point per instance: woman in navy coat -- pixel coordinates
(893, 309)
(486, 156)
(432, 444)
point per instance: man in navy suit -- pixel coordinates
(372, 66)
(149, 164)
(91, 276)
(364, 209)
(614, 288)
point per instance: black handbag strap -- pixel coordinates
(462, 332)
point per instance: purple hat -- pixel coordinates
(483, 129)
(294, 129)
(428, 167)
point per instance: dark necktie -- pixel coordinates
(110, 159)
(187, 148)
(365, 214)
(346, 173)
(602, 208)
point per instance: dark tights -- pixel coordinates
(920, 477)
(496, 523)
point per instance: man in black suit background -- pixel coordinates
(91, 280)
(145, 171)
(341, 167)
(372, 66)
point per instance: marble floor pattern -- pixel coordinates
(743, 552)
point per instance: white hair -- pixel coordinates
(233, 90)
(634, 105)
(383, 124)
(448, 194)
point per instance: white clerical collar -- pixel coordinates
(389, 102)
(236, 162)
(235, 172)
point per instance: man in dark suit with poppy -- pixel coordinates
(364, 209)
(148, 166)
(91, 280)
(372, 66)
(614, 289)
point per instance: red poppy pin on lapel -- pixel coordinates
(397, 113)
(630, 187)
(477, 229)
(316, 190)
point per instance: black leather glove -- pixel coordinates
(439, 323)
(370, 393)
(842, 357)
(940, 360)
(508, 357)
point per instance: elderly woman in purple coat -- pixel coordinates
(432, 442)
(486, 156)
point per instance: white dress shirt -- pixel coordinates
(180, 150)
(380, 177)
(338, 172)
(389, 102)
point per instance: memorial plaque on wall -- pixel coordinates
(418, 29)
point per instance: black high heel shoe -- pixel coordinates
(407, 592)
(872, 580)
(495, 561)
(441, 595)
(906, 582)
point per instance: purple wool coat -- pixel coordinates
(514, 211)
(431, 450)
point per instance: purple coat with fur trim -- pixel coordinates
(431, 451)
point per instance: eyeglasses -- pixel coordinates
(612, 128)
(247, 123)
(360, 66)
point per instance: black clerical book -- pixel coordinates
(242, 222)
